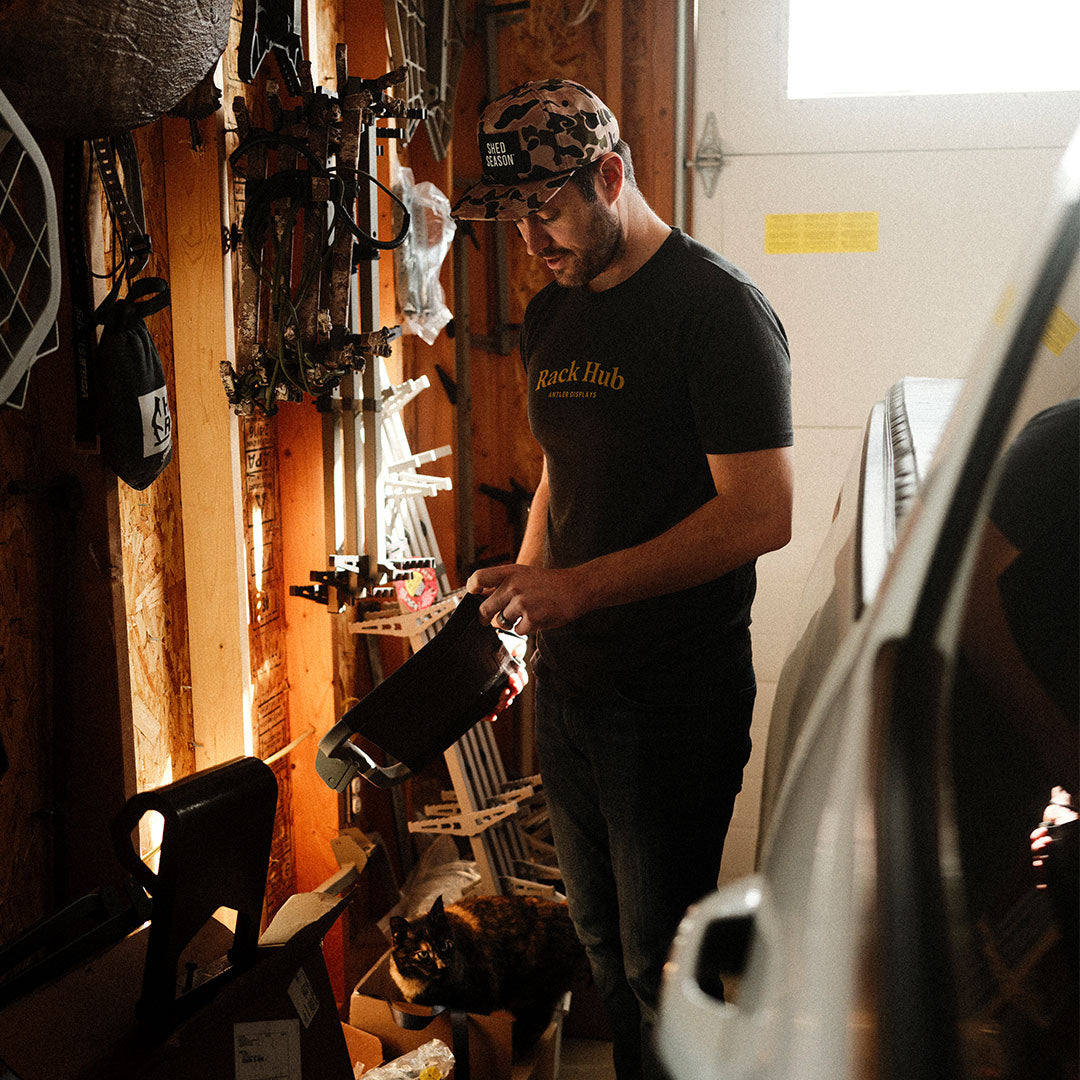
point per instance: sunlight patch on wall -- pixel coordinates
(839, 48)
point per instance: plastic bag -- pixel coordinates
(438, 873)
(418, 260)
(432, 1061)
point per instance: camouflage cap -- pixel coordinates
(532, 138)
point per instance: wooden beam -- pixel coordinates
(305, 547)
(207, 445)
(613, 59)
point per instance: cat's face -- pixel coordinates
(424, 947)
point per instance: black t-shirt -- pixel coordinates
(628, 390)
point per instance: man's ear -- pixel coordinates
(610, 177)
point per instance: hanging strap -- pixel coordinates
(125, 198)
(148, 296)
(459, 1025)
(125, 201)
(82, 305)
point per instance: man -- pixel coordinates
(659, 390)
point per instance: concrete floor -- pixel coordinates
(590, 1059)
(585, 1059)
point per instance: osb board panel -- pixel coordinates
(545, 44)
(151, 531)
(25, 667)
(272, 721)
(648, 99)
(59, 696)
(269, 673)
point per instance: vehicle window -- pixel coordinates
(1013, 739)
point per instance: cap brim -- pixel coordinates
(508, 202)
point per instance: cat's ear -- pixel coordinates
(436, 911)
(398, 927)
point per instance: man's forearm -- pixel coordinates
(710, 542)
(750, 514)
(532, 543)
(737, 525)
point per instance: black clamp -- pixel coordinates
(271, 26)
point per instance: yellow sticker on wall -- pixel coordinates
(1060, 330)
(1005, 305)
(820, 234)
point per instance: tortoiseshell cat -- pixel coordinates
(484, 953)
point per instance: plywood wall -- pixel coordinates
(67, 738)
(152, 543)
(26, 871)
(625, 53)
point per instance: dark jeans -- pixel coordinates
(640, 799)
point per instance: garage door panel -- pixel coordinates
(821, 455)
(949, 227)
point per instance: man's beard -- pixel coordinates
(602, 244)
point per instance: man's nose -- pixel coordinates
(534, 234)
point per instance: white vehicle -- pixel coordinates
(896, 928)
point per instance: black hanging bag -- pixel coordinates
(121, 403)
(134, 420)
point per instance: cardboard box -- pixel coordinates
(372, 1005)
(277, 1018)
(365, 1051)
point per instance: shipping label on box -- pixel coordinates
(267, 1050)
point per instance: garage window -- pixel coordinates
(839, 48)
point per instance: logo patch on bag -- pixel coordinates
(156, 422)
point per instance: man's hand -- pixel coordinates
(518, 674)
(526, 598)
(1058, 812)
